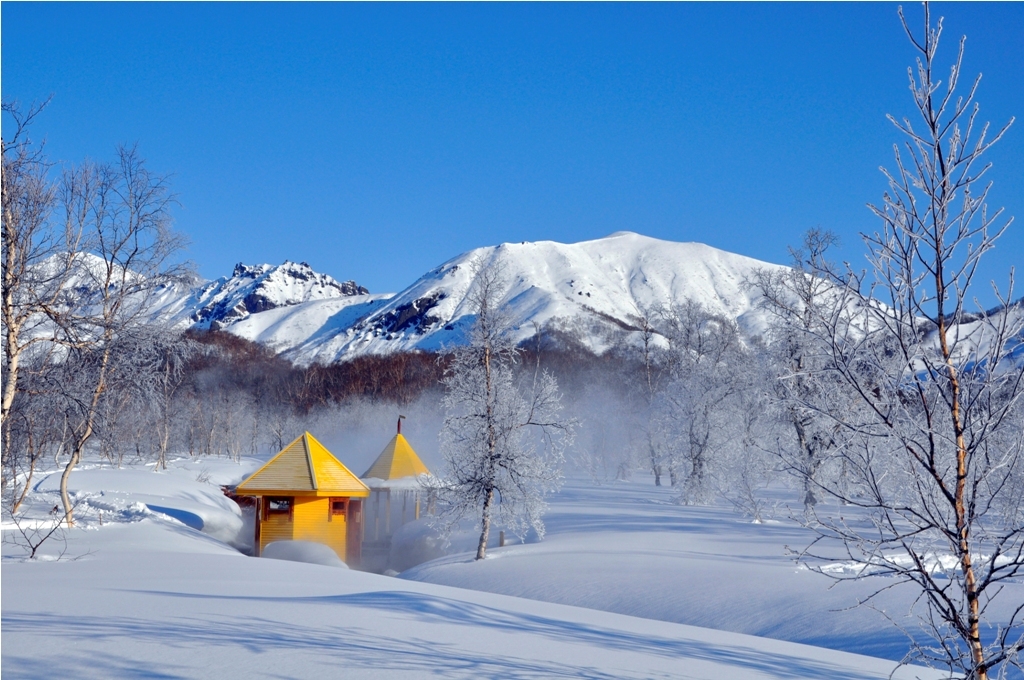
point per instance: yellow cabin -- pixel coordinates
(396, 496)
(304, 493)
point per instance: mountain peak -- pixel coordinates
(252, 289)
(595, 288)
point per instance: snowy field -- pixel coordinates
(625, 547)
(149, 586)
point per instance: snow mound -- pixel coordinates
(628, 548)
(303, 551)
(418, 542)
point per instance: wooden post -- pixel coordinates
(501, 539)
(376, 517)
(256, 531)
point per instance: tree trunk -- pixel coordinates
(12, 351)
(485, 523)
(28, 482)
(64, 498)
(492, 443)
(655, 468)
(962, 525)
(83, 439)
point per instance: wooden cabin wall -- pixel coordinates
(273, 528)
(313, 522)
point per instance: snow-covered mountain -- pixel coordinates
(250, 290)
(592, 290)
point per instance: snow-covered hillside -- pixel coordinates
(593, 290)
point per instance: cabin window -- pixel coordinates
(337, 508)
(281, 505)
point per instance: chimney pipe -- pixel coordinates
(400, 419)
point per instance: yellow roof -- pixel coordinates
(303, 467)
(397, 460)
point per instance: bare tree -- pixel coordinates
(171, 353)
(36, 429)
(651, 384)
(493, 424)
(124, 211)
(933, 446)
(37, 256)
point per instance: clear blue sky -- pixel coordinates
(376, 141)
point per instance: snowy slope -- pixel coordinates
(592, 289)
(154, 615)
(283, 328)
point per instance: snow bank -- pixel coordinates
(303, 551)
(417, 542)
(188, 493)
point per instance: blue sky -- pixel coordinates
(376, 141)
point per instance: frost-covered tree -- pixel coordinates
(798, 300)
(503, 439)
(645, 351)
(123, 212)
(696, 413)
(933, 440)
(748, 464)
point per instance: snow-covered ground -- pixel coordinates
(626, 547)
(147, 586)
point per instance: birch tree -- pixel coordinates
(696, 413)
(124, 211)
(494, 423)
(37, 255)
(650, 385)
(933, 446)
(798, 299)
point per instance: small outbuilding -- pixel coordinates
(304, 493)
(396, 494)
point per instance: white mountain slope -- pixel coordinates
(592, 289)
(250, 290)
